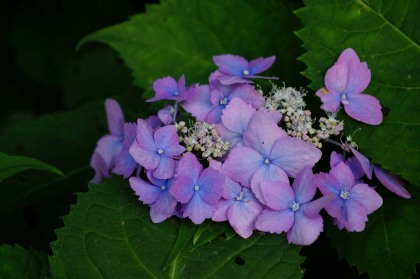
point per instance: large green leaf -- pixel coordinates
(10, 165)
(386, 35)
(108, 234)
(180, 37)
(16, 262)
(32, 202)
(388, 247)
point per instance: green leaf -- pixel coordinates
(208, 231)
(109, 234)
(32, 202)
(384, 34)
(17, 262)
(10, 165)
(180, 37)
(388, 247)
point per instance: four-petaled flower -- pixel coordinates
(352, 202)
(197, 189)
(155, 150)
(292, 210)
(344, 83)
(168, 88)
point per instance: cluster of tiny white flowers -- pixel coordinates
(297, 119)
(202, 137)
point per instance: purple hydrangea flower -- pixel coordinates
(155, 150)
(344, 83)
(238, 205)
(268, 154)
(124, 163)
(168, 88)
(197, 189)
(206, 102)
(109, 146)
(235, 120)
(156, 194)
(352, 202)
(292, 210)
(236, 69)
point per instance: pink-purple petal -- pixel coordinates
(266, 173)
(231, 64)
(248, 93)
(275, 221)
(146, 192)
(242, 217)
(114, 117)
(392, 183)
(364, 162)
(261, 64)
(336, 77)
(304, 185)
(355, 217)
(367, 196)
(278, 195)
(220, 214)
(198, 102)
(144, 136)
(109, 146)
(165, 169)
(189, 166)
(148, 159)
(331, 100)
(211, 185)
(198, 210)
(327, 184)
(292, 155)
(182, 189)
(364, 108)
(344, 176)
(237, 115)
(305, 230)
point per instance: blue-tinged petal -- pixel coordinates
(198, 210)
(182, 90)
(166, 168)
(275, 221)
(304, 185)
(166, 115)
(158, 217)
(231, 189)
(231, 80)
(155, 181)
(391, 182)
(348, 55)
(109, 147)
(217, 97)
(114, 117)
(358, 73)
(144, 136)
(336, 208)
(364, 108)
(343, 175)
(100, 167)
(336, 78)
(130, 131)
(165, 88)
(292, 155)
(331, 99)
(167, 139)
(165, 203)
(311, 209)
(189, 166)
(125, 164)
(242, 163)
(367, 196)
(248, 93)
(148, 159)
(213, 117)
(242, 217)
(355, 217)
(262, 133)
(231, 64)
(146, 192)
(327, 184)
(356, 167)
(220, 214)
(261, 64)
(234, 138)
(154, 122)
(211, 184)
(335, 158)
(266, 173)
(305, 230)
(182, 189)
(198, 102)
(278, 195)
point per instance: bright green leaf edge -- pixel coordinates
(10, 165)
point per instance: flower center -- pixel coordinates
(160, 151)
(196, 187)
(267, 161)
(245, 72)
(344, 100)
(163, 187)
(345, 194)
(294, 206)
(176, 93)
(240, 196)
(223, 101)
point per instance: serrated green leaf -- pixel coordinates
(10, 165)
(17, 262)
(109, 234)
(384, 34)
(32, 202)
(388, 247)
(208, 231)
(180, 37)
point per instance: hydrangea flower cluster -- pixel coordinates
(247, 158)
